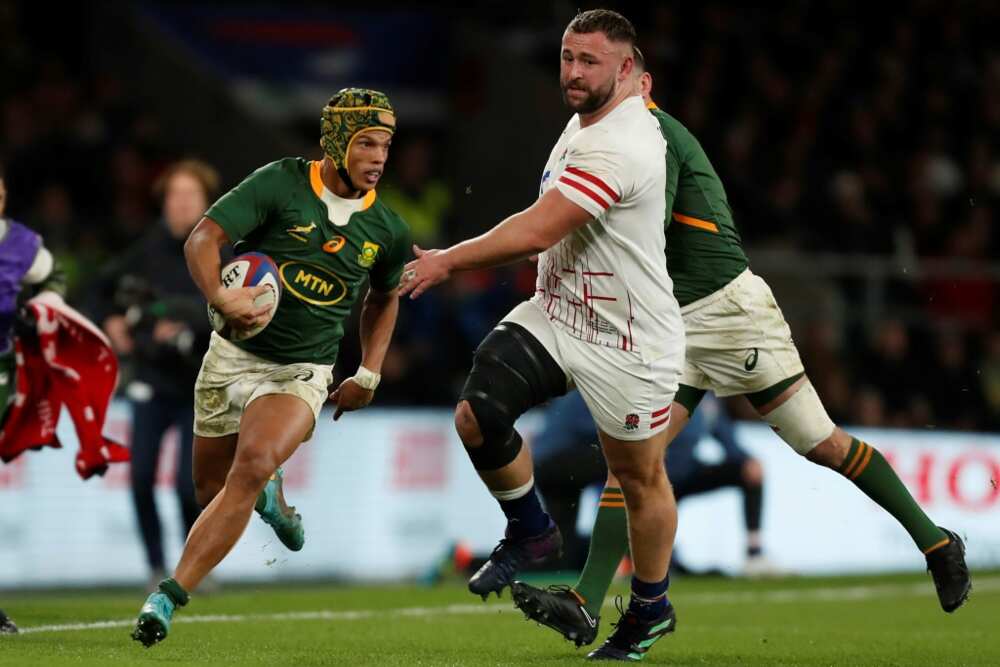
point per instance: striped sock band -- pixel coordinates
(857, 459)
(612, 498)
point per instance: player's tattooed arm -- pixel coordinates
(201, 250)
(520, 236)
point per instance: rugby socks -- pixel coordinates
(649, 600)
(174, 591)
(871, 473)
(523, 509)
(608, 543)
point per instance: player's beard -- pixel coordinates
(594, 100)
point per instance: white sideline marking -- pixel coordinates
(923, 589)
(320, 615)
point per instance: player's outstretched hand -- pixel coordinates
(350, 396)
(237, 306)
(427, 270)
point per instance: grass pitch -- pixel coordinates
(803, 621)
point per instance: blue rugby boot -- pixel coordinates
(285, 521)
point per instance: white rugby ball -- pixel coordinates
(248, 270)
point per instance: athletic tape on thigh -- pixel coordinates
(801, 421)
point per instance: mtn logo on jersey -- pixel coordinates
(368, 254)
(296, 232)
(312, 284)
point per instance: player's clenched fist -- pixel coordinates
(238, 308)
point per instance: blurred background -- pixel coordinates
(860, 151)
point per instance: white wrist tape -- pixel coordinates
(366, 379)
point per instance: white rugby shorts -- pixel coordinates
(737, 340)
(230, 378)
(627, 398)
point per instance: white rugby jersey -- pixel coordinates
(607, 282)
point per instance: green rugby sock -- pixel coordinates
(174, 591)
(870, 472)
(608, 543)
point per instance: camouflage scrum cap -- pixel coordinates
(350, 113)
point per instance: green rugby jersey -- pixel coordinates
(325, 247)
(704, 250)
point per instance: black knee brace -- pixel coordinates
(511, 372)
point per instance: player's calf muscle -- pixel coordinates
(206, 489)
(213, 457)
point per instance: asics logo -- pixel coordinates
(751, 361)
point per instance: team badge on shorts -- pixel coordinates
(368, 254)
(631, 422)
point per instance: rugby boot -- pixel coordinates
(951, 575)
(271, 506)
(633, 636)
(557, 607)
(513, 554)
(154, 619)
(7, 626)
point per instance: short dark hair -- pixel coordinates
(640, 60)
(615, 27)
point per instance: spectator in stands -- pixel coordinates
(155, 315)
(419, 349)
(423, 200)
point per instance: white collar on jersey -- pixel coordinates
(622, 106)
(338, 209)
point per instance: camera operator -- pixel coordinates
(155, 317)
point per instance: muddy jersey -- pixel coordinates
(325, 247)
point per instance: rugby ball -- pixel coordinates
(248, 270)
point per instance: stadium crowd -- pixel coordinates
(830, 134)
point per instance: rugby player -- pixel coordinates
(600, 320)
(257, 400)
(738, 343)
